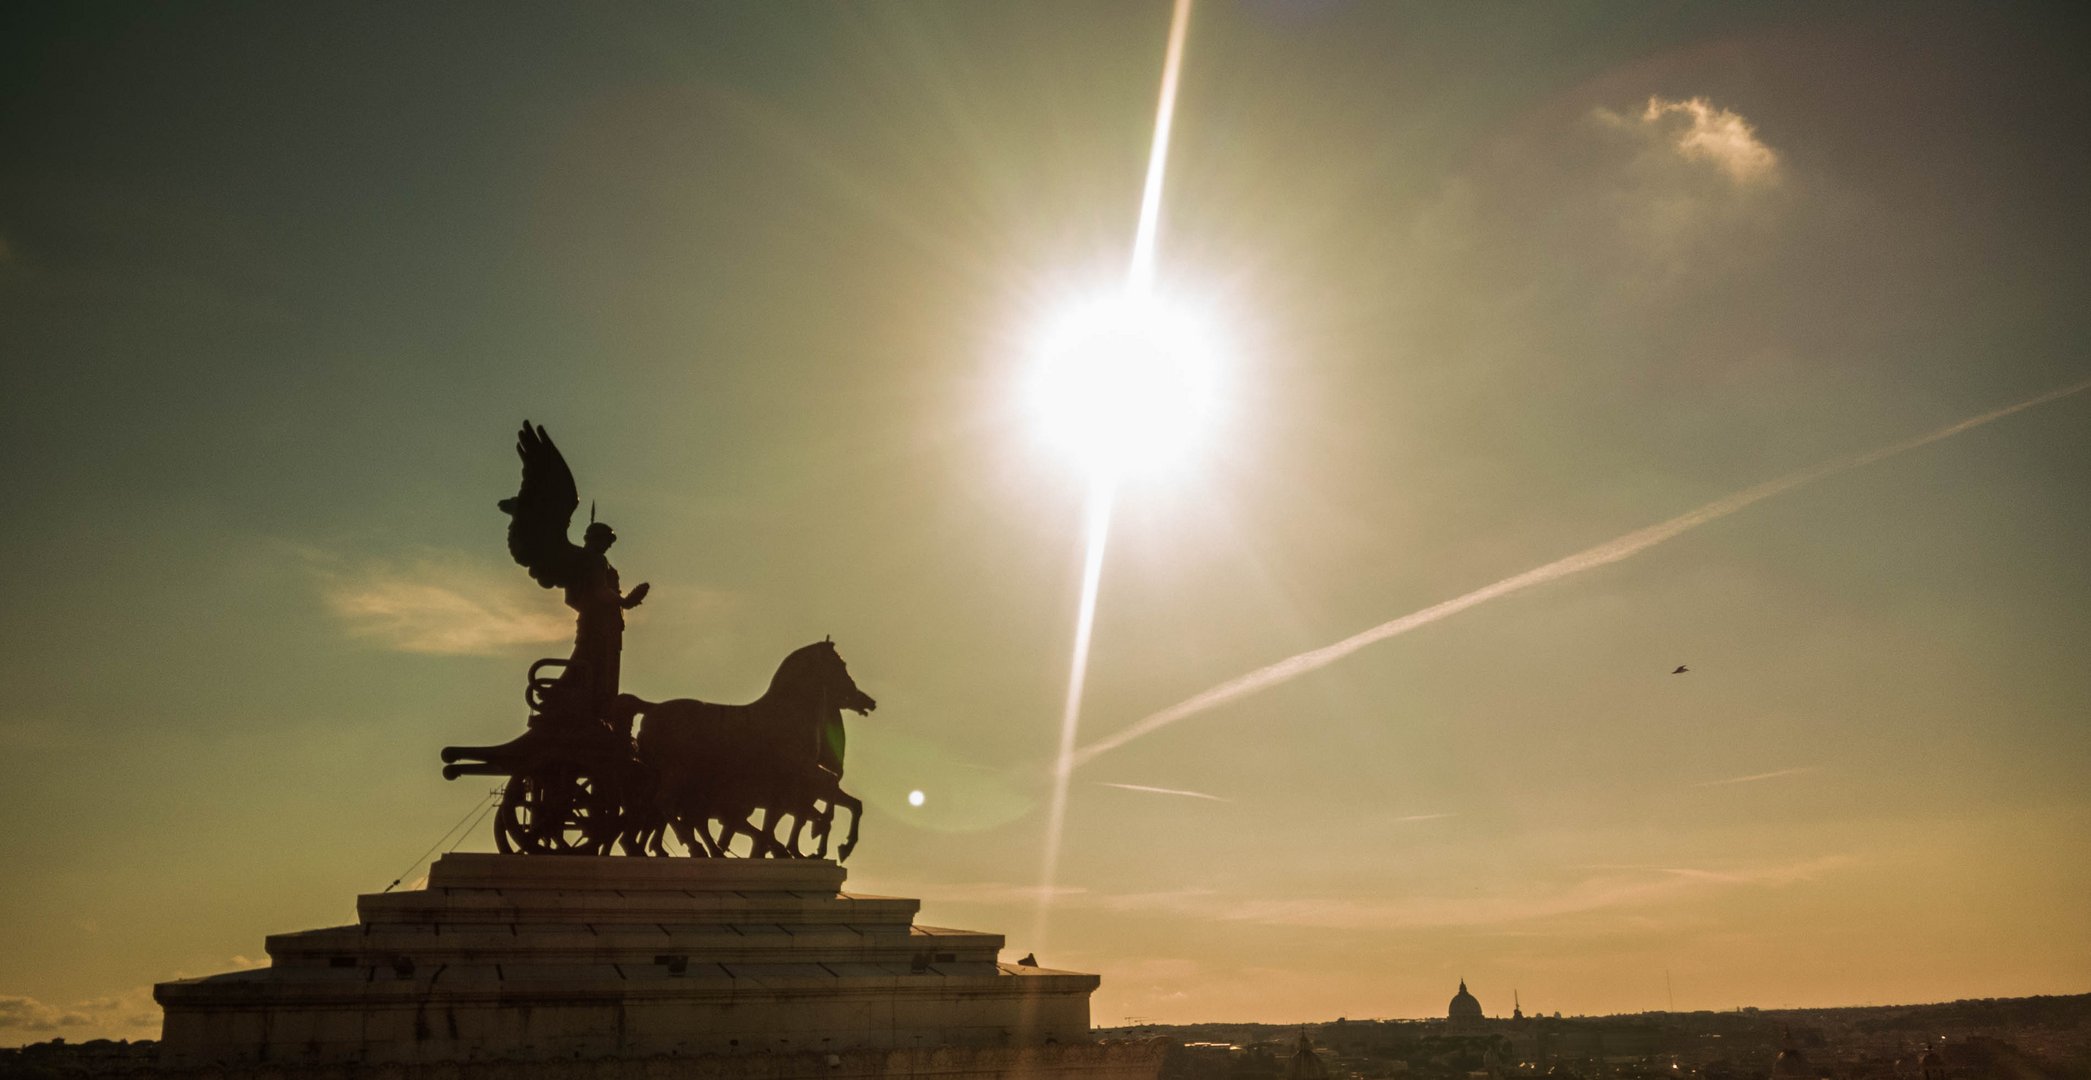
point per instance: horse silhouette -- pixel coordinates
(779, 755)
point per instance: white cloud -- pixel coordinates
(1698, 130)
(444, 605)
(29, 1014)
(131, 1014)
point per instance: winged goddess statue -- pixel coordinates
(539, 517)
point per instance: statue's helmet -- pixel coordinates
(599, 536)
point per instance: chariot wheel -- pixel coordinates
(557, 810)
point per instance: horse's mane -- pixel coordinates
(798, 665)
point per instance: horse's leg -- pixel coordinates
(816, 818)
(638, 813)
(823, 828)
(855, 806)
(666, 820)
(648, 835)
(805, 815)
(721, 839)
(690, 835)
(663, 820)
(766, 842)
(764, 831)
(637, 828)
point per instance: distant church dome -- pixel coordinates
(1464, 1009)
(1305, 1063)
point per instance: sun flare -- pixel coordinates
(1125, 383)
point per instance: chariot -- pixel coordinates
(571, 779)
(703, 775)
(698, 773)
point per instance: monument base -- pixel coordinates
(517, 959)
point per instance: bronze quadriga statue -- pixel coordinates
(698, 774)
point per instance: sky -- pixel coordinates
(1496, 284)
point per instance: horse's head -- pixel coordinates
(818, 669)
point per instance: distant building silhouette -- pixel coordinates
(1464, 1011)
(1305, 1063)
(1931, 1065)
(1791, 1064)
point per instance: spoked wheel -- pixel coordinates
(558, 810)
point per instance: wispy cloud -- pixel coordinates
(1601, 892)
(974, 892)
(1164, 791)
(1621, 890)
(29, 1014)
(1697, 130)
(129, 1013)
(1754, 777)
(1693, 873)
(441, 604)
(1716, 135)
(1425, 817)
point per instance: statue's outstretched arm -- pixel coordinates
(635, 597)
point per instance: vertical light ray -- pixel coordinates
(1099, 511)
(1103, 486)
(1141, 275)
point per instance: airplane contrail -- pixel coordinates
(1604, 554)
(1164, 791)
(1754, 777)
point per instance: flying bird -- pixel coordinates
(1681, 669)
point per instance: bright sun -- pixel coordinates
(1125, 383)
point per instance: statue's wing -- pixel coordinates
(542, 510)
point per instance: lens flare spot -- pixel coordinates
(915, 797)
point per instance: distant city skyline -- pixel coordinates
(1637, 551)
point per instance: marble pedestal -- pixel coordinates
(542, 959)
